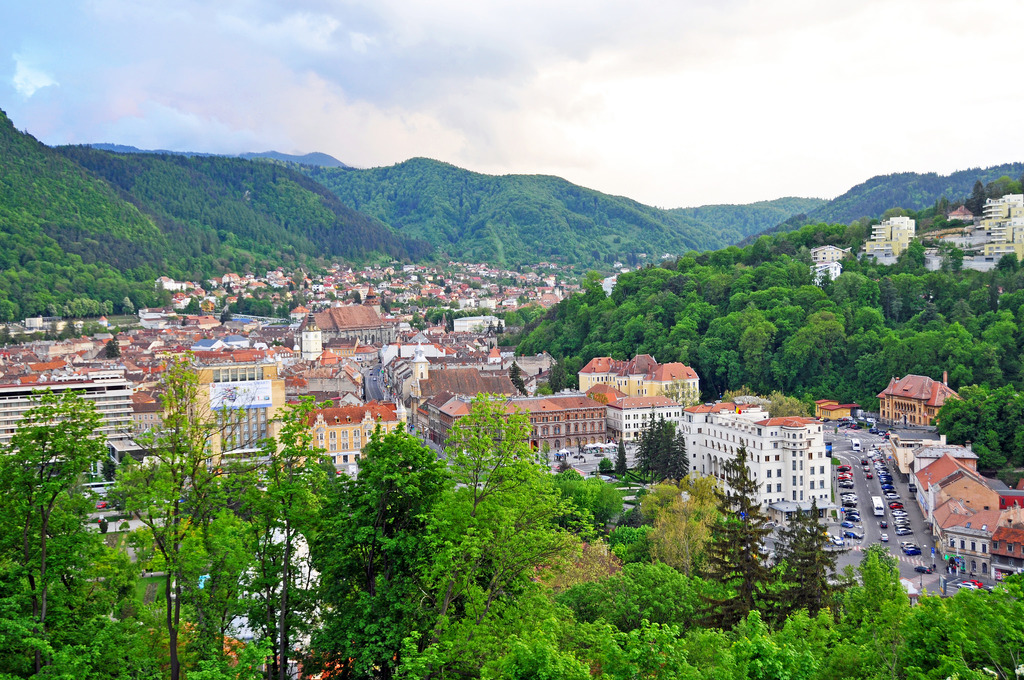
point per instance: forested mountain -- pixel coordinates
(909, 190)
(752, 317)
(528, 218)
(85, 229)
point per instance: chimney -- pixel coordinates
(945, 378)
(967, 444)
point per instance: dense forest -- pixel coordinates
(516, 219)
(87, 231)
(754, 317)
(482, 566)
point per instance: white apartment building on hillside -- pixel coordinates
(786, 456)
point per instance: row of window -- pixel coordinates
(237, 374)
(963, 545)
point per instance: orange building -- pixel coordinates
(914, 400)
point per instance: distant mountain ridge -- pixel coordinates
(316, 158)
(516, 219)
(910, 190)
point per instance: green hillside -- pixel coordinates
(909, 190)
(527, 218)
(84, 229)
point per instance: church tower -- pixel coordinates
(312, 340)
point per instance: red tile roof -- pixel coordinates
(919, 388)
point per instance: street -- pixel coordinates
(868, 526)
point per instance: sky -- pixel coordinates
(672, 103)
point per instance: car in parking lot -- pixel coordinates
(853, 534)
(922, 569)
(847, 523)
(846, 484)
(895, 505)
(903, 531)
(837, 540)
(844, 468)
(909, 550)
(900, 513)
(887, 487)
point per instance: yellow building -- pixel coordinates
(1003, 221)
(830, 409)
(642, 376)
(343, 431)
(245, 399)
(891, 237)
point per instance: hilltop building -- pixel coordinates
(890, 237)
(1003, 221)
(825, 254)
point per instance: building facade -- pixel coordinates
(628, 417)
(1003, 222)
(641, 376)
(824, 254)
(342, 432)
(244, 398)
(914, 400)
(567, 421)
(786, 456)
(110, 392)
(891, 237)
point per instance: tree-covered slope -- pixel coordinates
(527, 218)
(83, 229)
(907, 190)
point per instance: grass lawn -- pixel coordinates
(150, 589)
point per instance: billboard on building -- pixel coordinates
(242, 394)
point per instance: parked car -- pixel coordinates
(911, 550)
(887, 487)
(836, 540)
(853, 534)
(895, 505)
(847, 524)
(892, 496)
(101, 505)
(923, 570)
(844, 468)
(903, 531)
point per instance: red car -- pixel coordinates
(101, 505)
(895, 505)
(975, 582)
(869, 475)
(844, 468)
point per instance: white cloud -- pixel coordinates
(28, 79)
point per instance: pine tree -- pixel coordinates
(807, 565)
(516, 376)
(736, 553)
(620, 459)
(678, 463)
(112, 349)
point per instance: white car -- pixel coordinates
(967, 585)
(885, 538)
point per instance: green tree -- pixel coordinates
(53, 446)
(620, 459)
(489, 535)
(112, 349)
(736, 554)
(371, 552)
(516, 376)
(282, 514)
(808, 566)
(175, 494)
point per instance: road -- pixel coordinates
(371, 383)
(865, 488)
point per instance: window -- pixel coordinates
(973, 548)
(952, 543)
(769, 474)
(822, 470)
(962, 544)
(778, 488)
(984, 547)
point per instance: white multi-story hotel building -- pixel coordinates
(786, 456)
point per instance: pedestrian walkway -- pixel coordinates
(916, 560)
